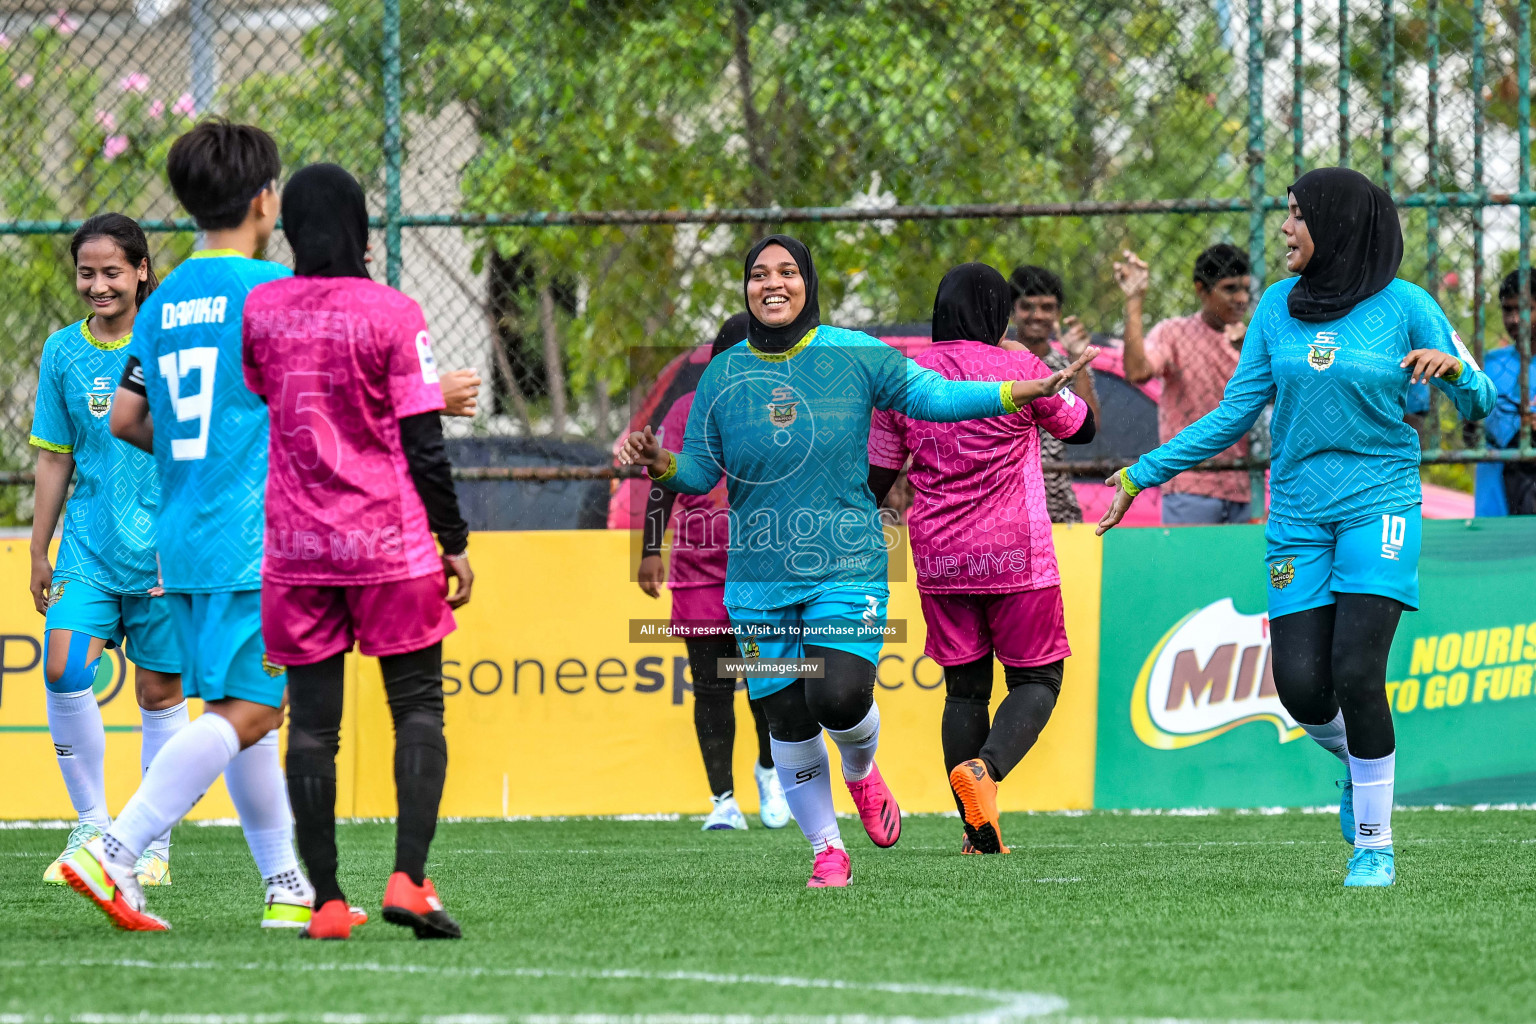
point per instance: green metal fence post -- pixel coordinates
(1523, 77)
(1432, 225)
(1256, 151)
(1298, 158)
(1343, 83)
(1388, 91)
(1479, 300)
(392, 142)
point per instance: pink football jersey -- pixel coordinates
(978, 522)
(701, 523)
(340, 361)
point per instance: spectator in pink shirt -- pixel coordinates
(1195, 356)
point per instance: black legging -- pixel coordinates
(1335, 657)
(1001, 743)
(714, 712)
(838, 701)
(413, 683)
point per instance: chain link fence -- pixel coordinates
(562, 182)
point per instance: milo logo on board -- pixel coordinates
(1209, 674)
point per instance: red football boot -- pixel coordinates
(418, 908)
(333, 920)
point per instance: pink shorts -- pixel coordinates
(306, 624)
(1025, 629)
(701, 608)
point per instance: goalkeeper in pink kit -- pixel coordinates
(357, 484)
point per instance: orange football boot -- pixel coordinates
(977, 795)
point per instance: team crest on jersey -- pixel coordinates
(784, 407)
(1281, 573)
(270, 669)
(99, 398)
(751, 650)
(1322, 350)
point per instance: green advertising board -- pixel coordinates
(1188, 714)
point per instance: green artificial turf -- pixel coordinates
(1224, 916)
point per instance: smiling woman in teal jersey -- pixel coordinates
(98, 593)
(1336, 349)
(784, 415)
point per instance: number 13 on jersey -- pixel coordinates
(195, 407)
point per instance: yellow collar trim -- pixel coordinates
(203, 254)
(779, 357)
(105, 346)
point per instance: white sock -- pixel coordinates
(1330, 736)
(159, 726)
(260, 795)
(1373, 800)
(857, 745)
(181, 773)
(806, 774)
(80, 742)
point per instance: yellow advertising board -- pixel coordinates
(552, 709)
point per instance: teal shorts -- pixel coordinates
(143, 621)
(222, 653)
(848, 620)
(1374, 554)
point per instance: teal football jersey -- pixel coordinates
(109, 522)
(210, 430)
(790, 433)
(1340, 447)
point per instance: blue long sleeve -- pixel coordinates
(1341, 448)
(1251, 388)
(922, 394)
(1474, 392)
(699, 466)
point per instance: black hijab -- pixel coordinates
(782, 339)
(973, 304)
(326, 220)
(731, 332)
(1357, 243)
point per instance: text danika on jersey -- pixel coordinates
(208, 310)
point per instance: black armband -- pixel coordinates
(133, 377)
(1085, 432)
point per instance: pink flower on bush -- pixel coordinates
(157, 109)
(63, 23)
(184, 105)
(114, 147)
(24, 81)
(104, 119)
(136, 82)
(5, 41)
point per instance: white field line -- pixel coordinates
(1009, 1006)
(1174, 812)
(586, 1018)
(619, 851)
(1184, 1020)
(1006, 1006)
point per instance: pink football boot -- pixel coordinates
(831, 869)
(877, 808)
